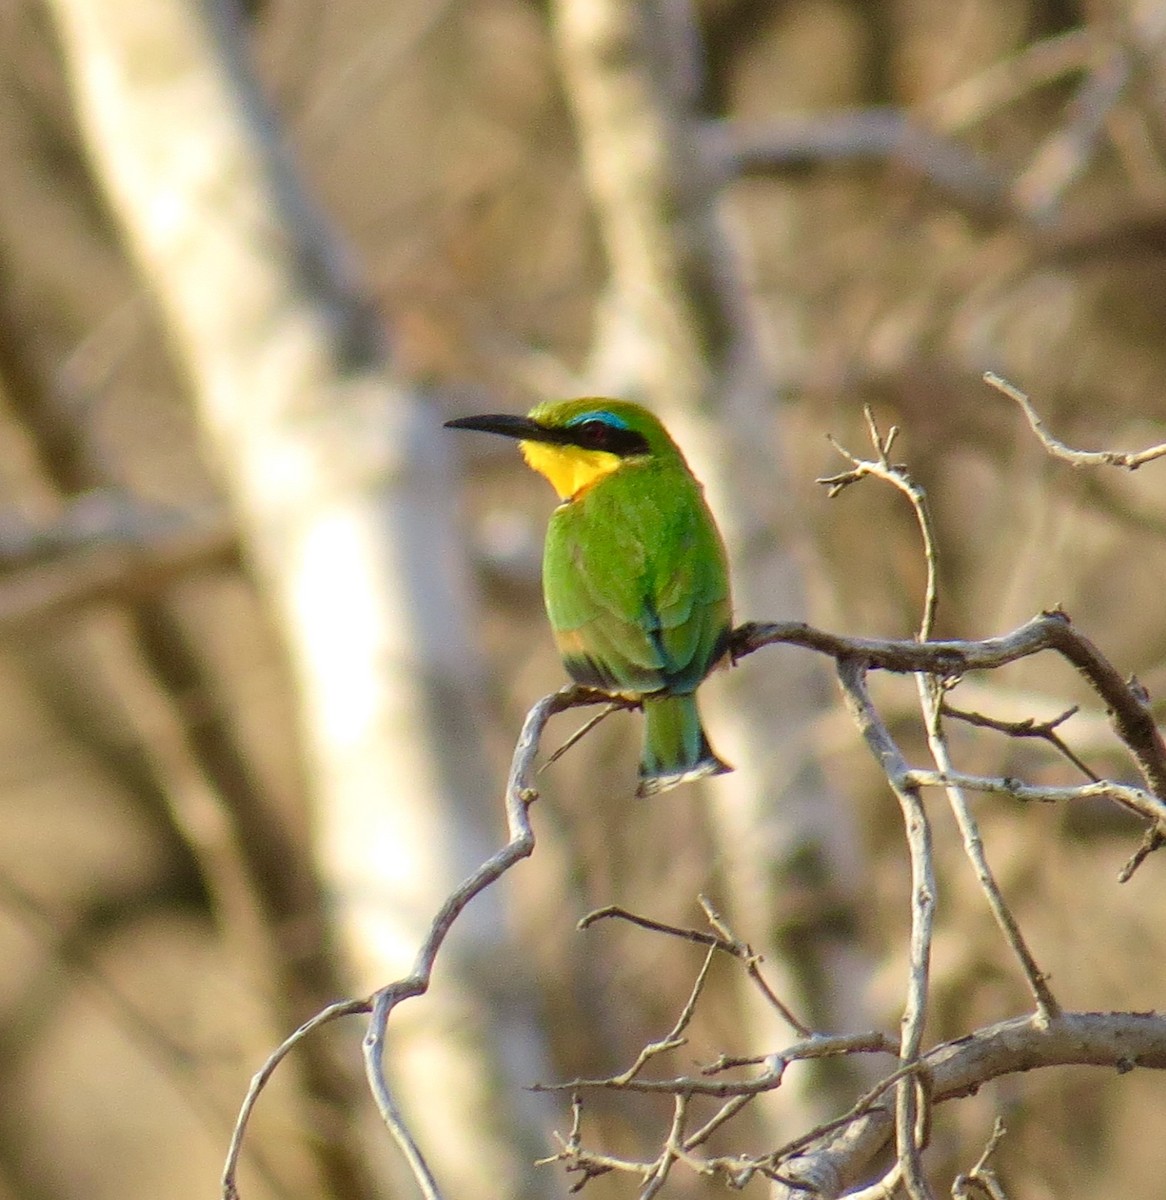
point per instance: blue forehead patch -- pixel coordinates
(602, 415)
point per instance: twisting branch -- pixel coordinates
(342, 1008)
(936, 1075)
(1130, 459)
(520, 794)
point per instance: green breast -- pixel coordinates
(636, 583)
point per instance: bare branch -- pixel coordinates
(520, 794)
(1119, 1040)
(930, 696)
(1135, 799)
(744, 952)
(688, 935)
(865, 1128)
(851, 674)
(980, 1182)
(722, 939)
(1127, 705)
(881, 135)
(342, 1008)
(1029, 728)
(1130, 459)
(674, 1039)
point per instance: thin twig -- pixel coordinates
(930, 698)
(723, 939)
(1029, 728)
(898, 478)
(674, 1039)
(520, 794)
(677, 931)
(851, 674)
(770, 1078)
(343, 1008)
(980, 1178)
(671, 1150)
(1130, 459)
(581, 733)
(744, 952)
(1138, 801)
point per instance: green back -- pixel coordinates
(636, 582)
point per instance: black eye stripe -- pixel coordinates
(598, 434)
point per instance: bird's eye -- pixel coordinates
(597, 433)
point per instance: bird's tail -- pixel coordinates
(676, 749)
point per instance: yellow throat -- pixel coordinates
(570, 469)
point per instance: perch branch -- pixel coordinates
(861, 1135)
(520, 794)
(1127, 705)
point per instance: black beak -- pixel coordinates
(522, 428)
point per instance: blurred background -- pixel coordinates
(268, 635)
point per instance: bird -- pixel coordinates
(635, 574)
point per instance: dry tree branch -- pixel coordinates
(1120, 1040)
(1130, 459)
(911, 1113)
(1116, 1039)
(722, 939)
(883, 135)
(520, 794)
(1063, 157)
(851, 675)
(980, 1180)
(930, 694)
(771, 1077)
(832, 1157)
(1028, 728)
(1125, 702)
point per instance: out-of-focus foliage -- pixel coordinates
(436, 137)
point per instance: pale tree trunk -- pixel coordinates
(674, 331)
(338, 481)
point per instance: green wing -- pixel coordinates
(636, 582)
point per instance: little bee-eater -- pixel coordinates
(634, 572)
